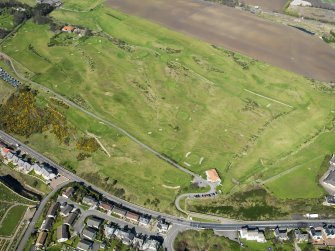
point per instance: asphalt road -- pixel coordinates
(237, 30)
(37, 214)
(93, 115)
(80, 223)
(41, 158)
(179, 222)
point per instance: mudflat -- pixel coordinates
(276, 44)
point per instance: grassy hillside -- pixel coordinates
(179, 95)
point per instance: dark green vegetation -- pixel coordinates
(258, 204)
(21, 115)
(87, 145)
(14, 13)
(329, 38)
(138, 185)
(203, 241)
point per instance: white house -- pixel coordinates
(252, 234)
(8, 158)
(37, 169)
(27, 168)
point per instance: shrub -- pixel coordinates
(87, 145)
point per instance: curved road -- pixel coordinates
(37, 214)
(41, 158)
(180, 222)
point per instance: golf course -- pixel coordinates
(199, 104)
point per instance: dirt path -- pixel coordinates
(170, 187)
(271, 99)
(276, 44)
(99, 142)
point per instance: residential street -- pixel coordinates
(178, 222)
(79, 225)
(37, 214)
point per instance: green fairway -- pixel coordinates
(76, 5)
(302, 182)
(202, 106)
(12, 220)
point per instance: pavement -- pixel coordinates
(178, 222)
(196, 177)
(72, 177)
(80, 223)
(171, 236)
(39, 211)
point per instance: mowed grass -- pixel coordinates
(12, 220)
(303, 179)
(140, 173)
(81, 5)
(178, 95)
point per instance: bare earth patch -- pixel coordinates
(236, 30)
